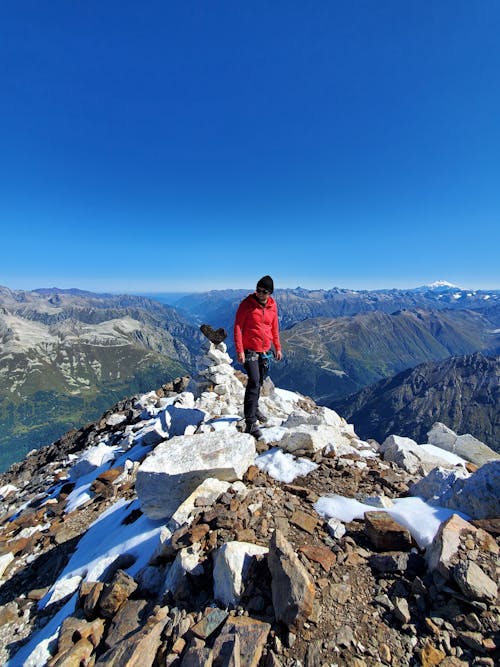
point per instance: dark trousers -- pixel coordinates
(257, 368)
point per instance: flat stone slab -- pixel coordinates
(176, 467)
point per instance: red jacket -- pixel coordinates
(256, 326)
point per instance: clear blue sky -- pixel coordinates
(162, 146)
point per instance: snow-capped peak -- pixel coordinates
(438, 286)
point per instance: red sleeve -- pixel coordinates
(275, 329)
(238, 325)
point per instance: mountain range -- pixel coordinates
(66, 354)
(462, 392)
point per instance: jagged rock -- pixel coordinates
(385, 533)
(252, 635)
(139, 648)
(174, 470)
(292, 589)
(231, 565)
(319, 554)
(209, 623)
(477, 495)
(226, 650)
(115, 593)
(410, 456)
(473, 582)
(448, 555)
(466, 445)
(197, 657)
(186, 562)
(125, 622)
(215, 336)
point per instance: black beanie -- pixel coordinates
(266, 283)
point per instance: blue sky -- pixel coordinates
(162, 146)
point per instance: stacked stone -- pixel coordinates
(220, 391)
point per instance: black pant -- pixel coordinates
(257, 368)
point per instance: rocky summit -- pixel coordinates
(162, 535)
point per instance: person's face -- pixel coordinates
(262, 294)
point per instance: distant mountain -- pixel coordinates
(462, 392)
(218, 307)
(329, 358)
(66, 354)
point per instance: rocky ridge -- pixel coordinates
(461, 391)
(142, 538)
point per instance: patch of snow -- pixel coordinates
(284, 467)
(421, 519)
(444, 454)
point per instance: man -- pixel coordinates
(255, 328)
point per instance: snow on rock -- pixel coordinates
(477, 495)
(284, 467)
(466, 446)
(410, 456)
(175, 468)
(418, 517)
(5, 561)
(92, 458)
(231, 564)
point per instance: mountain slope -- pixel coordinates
(65, 355)
(331, 358)
(462, 392)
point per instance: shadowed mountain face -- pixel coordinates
(462, 392)
(65, 355)
(331, 358)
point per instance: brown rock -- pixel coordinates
(198, 532)
(319, 554)
(125, 622)
(139, 649)
(197, 657)
(385, 533)
(431, 655)
(304, 521)
(91, 592)
(78, 654)
(292, 589)
(115, 593)
(226, 651)
(246, 535)
(491, 526)
(252, 638)
(209, 623)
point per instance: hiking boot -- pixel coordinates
(260, 417)
(254, 430)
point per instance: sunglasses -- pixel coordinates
(261, 290)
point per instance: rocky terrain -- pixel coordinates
(163, 535)
(463, 392)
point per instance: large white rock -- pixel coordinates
(231, 564)
(466, 446)
(477, 495)
(5, 561)
(176, 467)
(410, 456)
(312, 438)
